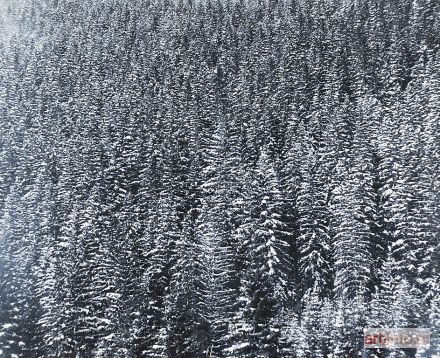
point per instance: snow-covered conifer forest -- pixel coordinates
(218, 178)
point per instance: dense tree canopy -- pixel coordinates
(218, 178)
